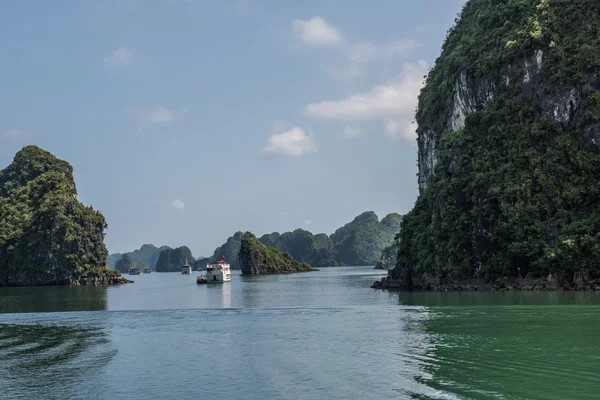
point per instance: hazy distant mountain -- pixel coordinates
(147, 255)
(125, 263)
(359, 242)
(171, 260)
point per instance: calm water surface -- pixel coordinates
(321, 335)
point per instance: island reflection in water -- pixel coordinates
(53, 299)
(502, 345)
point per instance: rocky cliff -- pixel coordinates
(258, 259)
(171, 260)
(47, 237)
(509, 160)
(387, 260)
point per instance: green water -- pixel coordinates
(323, 335)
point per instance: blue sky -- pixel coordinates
(188, 120)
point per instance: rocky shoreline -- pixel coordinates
(112, 279)
(507, 284)
(109, 279)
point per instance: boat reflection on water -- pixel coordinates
(216, 296)
(226, 296)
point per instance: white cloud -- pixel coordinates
(365, 51)
(399, 48)
(394, 102)
(317, 31)
(178, 204)
(360, 56)
(293, 143)
(398, 97)
(119, 58)
(160, 115)
(308, 222)
(13, 134)
(403, 130)
(362, 52)
(351, 131)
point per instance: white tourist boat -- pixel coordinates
(217, 272)
(186, 269)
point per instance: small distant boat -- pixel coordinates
(218, 272)
(135, 271)
(186, 269)
(147, 270)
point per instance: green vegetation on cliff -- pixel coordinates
(387, 260)
(361, 241)
(46, 235)
(303, 246)
(510, 117)
(171, 260)
(258, 259)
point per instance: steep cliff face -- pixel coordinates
(47, 237)
(258, 259)
(387, 260)
(171, 260)
(509, 129)
(540, 51)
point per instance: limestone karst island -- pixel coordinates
(311, 199)
(509, 156)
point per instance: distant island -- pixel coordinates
(47, 237)
(258, 259)
(509, 154)
(171, 260)
(358, 243)
(145, 257)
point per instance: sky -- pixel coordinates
(188, 120)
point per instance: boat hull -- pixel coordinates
(218, 277)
